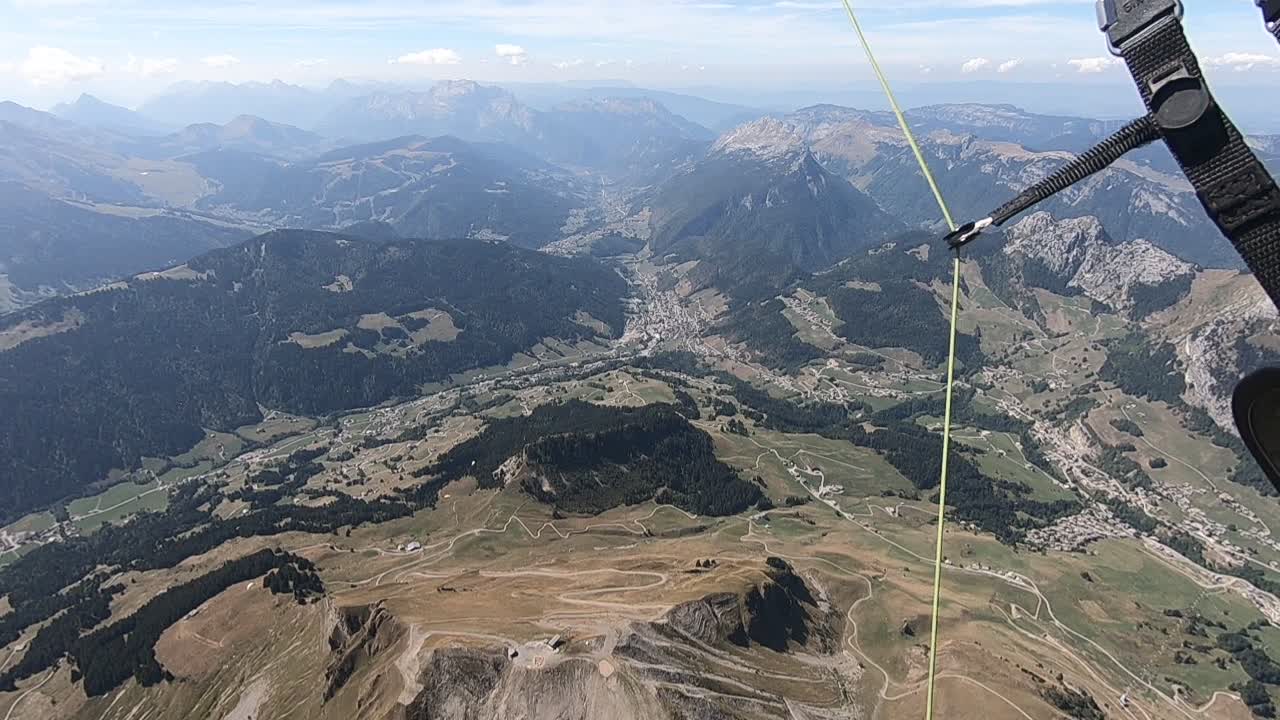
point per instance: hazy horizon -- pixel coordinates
(126, 52)
(1113, 100)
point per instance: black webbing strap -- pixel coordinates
(1235, 189)
(1132, 136)
(1271, 15)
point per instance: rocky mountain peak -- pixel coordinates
(975, 114)
(779, 612)
(818, 116)
(766, 139)
(1080, 251)
(1060, 244)
(445, 96)
(88, 101)
(248, 125)
(455, 88)
(620, 106)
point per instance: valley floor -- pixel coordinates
(1087, 609)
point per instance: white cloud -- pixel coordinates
(151, 67)
(310, 62)
(605, 63)
(434, 56)
(41, 4)
(513, 54)
(6, 68)
(566, 64)
(49, 66)
(925, 69)
(1009, 65)
(974, 65)
(220, 62)
(1241, 62)
(1093, 64)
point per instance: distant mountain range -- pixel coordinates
(91, 112)
(624, 137)
(637, 140)
(461, 108)
(717, 116)
(246, 133)
(537, 165)
(152, 191)
(47, 123)
(221, 102)
(192, 103)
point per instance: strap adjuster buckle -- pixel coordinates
(1180, 102)
(1241, 198)
(1125, 21)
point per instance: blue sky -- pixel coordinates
(126, 50)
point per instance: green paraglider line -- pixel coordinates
(951, 358)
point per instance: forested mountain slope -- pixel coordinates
(297, 321)
(434, 188)
(50, 243)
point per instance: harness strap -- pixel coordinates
(1232, 185)
(1136, 134)
(1235, 189)
(1271, 15)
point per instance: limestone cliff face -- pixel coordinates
(1209, 332)
(1080, 252)
(714, 618)
(696, 662)
(359, 634)
(777, 613)
(1204, 316)
(482, 683)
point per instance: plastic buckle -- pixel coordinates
(1126, 21)
(1270, 12)
(1179, 100)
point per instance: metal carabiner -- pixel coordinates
(967, 233)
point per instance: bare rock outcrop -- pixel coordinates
(359, 633)
(482, 683)
(1080, 252)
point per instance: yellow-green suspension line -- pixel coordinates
(951, 358)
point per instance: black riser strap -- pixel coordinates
(1235, 189)
(1271, 15)
(1134, 135)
